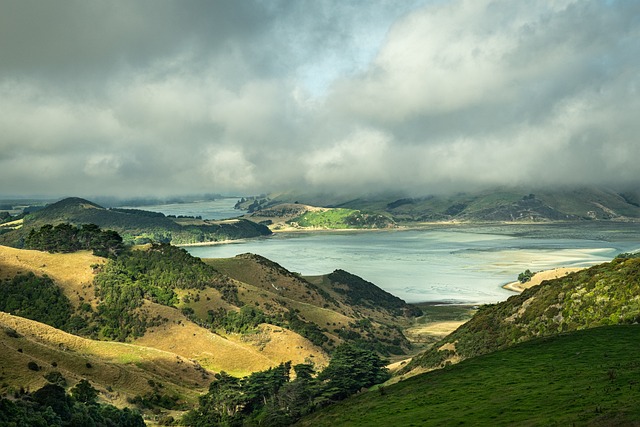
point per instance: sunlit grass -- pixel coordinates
(587, 377)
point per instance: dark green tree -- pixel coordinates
(84, 392)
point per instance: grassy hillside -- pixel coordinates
(589, 377)
(134, 225)
(340, 306)
(119, 371)
(606, 294)
(160, 326)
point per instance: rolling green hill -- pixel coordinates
(133, 225)
(328, 309)
(606, 294)
(586, 378)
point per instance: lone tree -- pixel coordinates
(525, 276)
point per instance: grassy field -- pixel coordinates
(589, 377)
(333, 219)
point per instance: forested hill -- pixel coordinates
(134, 225)
(606, 294)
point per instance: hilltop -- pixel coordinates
(133, 225)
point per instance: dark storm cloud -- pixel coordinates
(164, 97)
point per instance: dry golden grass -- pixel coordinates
(237, 355)
(123, 368)
(72, 272)
(178, 336)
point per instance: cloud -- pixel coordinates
(164, 97)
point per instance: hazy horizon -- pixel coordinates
(161, 98)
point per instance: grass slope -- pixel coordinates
(606, 294)
(589, 377)
(239, 355)
(118, 370)
(351, 309)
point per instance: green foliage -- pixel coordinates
(351, 369)
(153, 274)
(36, 298)
(586, 378)
(133, 224)
(525, 276)
(50, 406)
(309, 330)
(271, 398)
(68, 238)
(84, 392)
(340, 218)
(627, 255)
(242, 322)
(55, 377)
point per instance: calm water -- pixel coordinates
(213, 209)
(455, 264)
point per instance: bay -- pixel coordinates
(454, 265)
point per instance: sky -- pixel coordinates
(169, 97)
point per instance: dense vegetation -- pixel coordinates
(39, 298)
(606, 294)
(589, 377)
(154, 274)
(272, 398)
(51, 406)
(65, 237)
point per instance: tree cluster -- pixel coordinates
(152, 274)
(51, 406)
(68, 238)
(272, 398)
(525, 276)
(38, 298)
